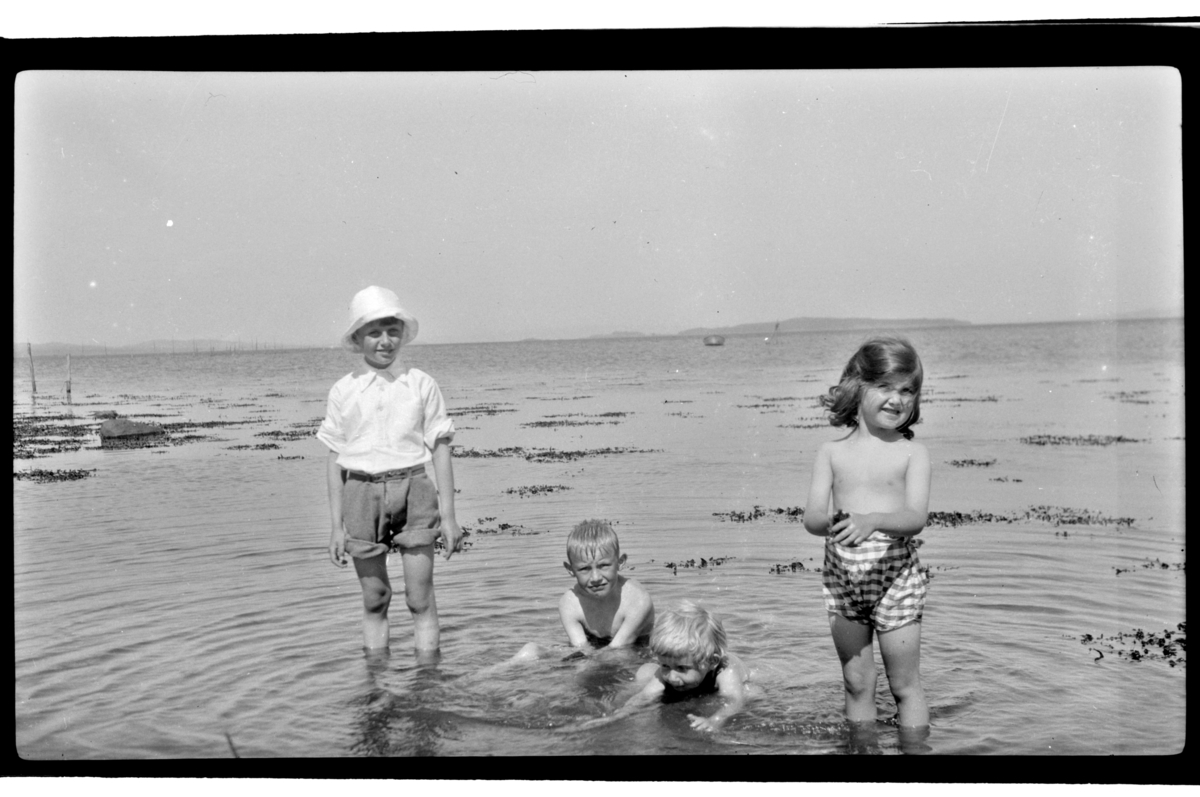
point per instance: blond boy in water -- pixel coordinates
(604, 609)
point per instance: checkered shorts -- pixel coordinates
(878, 583)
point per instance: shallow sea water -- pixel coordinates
(182, 593)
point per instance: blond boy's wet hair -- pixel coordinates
(689, 633)
(590, 540)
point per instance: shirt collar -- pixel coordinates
(393, 372)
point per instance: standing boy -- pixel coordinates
(383, 424)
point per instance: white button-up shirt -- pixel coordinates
(378, 420)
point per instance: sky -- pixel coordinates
(511, 205)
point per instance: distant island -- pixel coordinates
(621, 335)
(826, 325)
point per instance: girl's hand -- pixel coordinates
(852, 529)
(337, 547)
(704, 723)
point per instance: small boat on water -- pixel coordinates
(714, 340)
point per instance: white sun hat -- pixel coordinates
(371, 304)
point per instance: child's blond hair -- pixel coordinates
(591, 539)
(691, 634)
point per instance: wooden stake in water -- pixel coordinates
(68, 378)
(32, 379)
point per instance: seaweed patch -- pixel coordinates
(1153, 564)
(537, 489)
(500, 528)
(39, 476)
(278, 434)
(1056, 516)
(545, 454)
(1169, 646)
(715, 561)
(791, 514)
(1083, 440)
(557, 423)
(39, 436)
(793, 567)
(480, 409)
(1131, 397)
(972, 463)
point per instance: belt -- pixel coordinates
(387, 475)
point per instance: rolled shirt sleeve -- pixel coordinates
(438, 424)
(330, 432)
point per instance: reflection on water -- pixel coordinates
(183, 593)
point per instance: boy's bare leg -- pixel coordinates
(377, 596)
(418, 593)
(901, 651)
(854, 649)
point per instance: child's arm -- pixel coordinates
(816, 511)
(731, 685)
(571, 615)
(639, 613)
(443, 471)
(337, 534)
(651, 690)
(906, 522)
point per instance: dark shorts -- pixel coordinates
(389, 512)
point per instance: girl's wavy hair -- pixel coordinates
(691, 634)
(879, 359)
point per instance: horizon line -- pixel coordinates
(236, 345)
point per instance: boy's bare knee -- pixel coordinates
(418, 604)
(377, 599)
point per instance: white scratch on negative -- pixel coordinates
(927, 174)
(993, 149)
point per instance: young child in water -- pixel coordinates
(604, 609)
(692, 661)
(876, 480)
(384, 423)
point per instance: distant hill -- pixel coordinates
(621, 335)
(826, 325)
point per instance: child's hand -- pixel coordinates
(452, 535)
(710, 724)
(852, 529)
(337, 547)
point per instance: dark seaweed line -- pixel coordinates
(544, 454)
(1081, 440)
(1057, 516)
(40, 476)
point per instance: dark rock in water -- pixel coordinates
(123, 427)
(105, 414)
